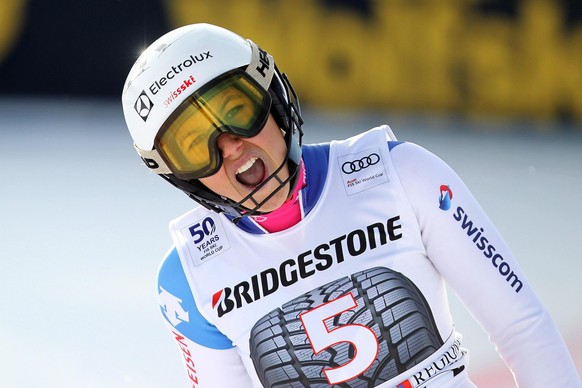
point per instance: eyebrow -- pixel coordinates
(226, 101)
(234, 94)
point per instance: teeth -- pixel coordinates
(246, 166)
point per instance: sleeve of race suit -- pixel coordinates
(209, 358)
(466, 248)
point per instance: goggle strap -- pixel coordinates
(262, 66)
(153, 161)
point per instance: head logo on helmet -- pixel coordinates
(263, 62)
(143, 106)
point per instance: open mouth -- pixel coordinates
(252, 173)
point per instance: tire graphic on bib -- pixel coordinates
(359, 331)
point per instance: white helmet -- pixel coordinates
(187, 61)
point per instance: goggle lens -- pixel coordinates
(233, 103)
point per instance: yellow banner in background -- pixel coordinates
(11, 22)
(428, 55)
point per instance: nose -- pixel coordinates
(229, 145)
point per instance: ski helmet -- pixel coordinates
(182, 71)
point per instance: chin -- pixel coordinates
(273, 204)
(268, 207)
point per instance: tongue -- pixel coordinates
(254, 175)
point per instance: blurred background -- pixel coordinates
(494, 87)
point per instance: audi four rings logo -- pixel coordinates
(360, 164)
(143, 105)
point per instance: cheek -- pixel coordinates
(272, 141)
(280, 149)
(216, 182)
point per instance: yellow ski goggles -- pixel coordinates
(232, 103)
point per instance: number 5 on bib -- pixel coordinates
(321, 337)
(357, 331)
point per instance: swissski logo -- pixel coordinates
(143, 105)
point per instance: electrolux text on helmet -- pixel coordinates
(177, 69)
